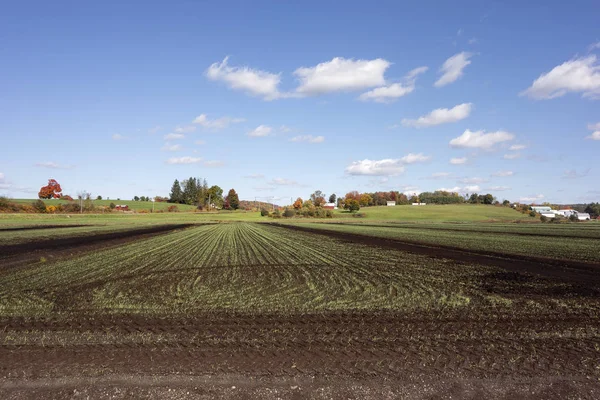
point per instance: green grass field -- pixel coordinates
(133, 205)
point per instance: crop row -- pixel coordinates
(569, 248)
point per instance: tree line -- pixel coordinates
(195, 191)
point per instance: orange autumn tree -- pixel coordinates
(52, 191)
(298, 203)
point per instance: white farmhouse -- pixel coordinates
(391, 203)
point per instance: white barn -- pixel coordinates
(391, 203)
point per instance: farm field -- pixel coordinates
(333, 310)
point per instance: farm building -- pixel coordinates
(419, 204)
(330, 206)
(391, 203)
(541, 209)
(583, 216)
(565, 213)
(123, 207)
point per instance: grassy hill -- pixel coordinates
(438, 213)
(133, 205)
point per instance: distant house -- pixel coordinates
(541, 209)
(391, 203)
(548, 214)
(583, 216)
(330, 206)
(565, 213)
(123, 207)
(419, 204)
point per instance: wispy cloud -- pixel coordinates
(391, 92)
(532, 198)
(118, 136)
(155, 129)
(503, 173)
(185, 129)
(573, 174)
(184, 160)
(254, 176)
(216, 124)
(512, 156)
(53, 165)
(440, 116)
(171, 147)
(458, 160)
(261, 131)
(480, 139)
(174, 136)
(452, 69)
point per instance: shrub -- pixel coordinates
(543, 218)
(173, 209)
(39, 206)
(143, 211)
(289, 213)
(112, 206)
(573, 218)
(50, 209)
(532, 214)
(329, 214)
(71, 208)
(264, 212)
(4, 202)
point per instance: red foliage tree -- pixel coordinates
(52, 191)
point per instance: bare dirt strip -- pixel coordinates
(580, 272)
(36, 227)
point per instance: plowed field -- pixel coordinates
(250, 310)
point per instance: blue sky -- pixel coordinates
(278, 100)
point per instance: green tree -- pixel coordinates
(593, 209)
(351, 205)
(488, 199)
(233, 201)
(190, 191)
(99, 198)
(136, 198)
(332, 198)
(176, 195)
(215, 194)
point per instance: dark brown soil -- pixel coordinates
(587, 273)
(36, 227)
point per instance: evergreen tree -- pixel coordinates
(233, 201)
(176, 195)
(190, 191)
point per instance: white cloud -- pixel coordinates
(200, 142)
(480, 139)
(260, 131)
(53, 165)
(308, 138)
(411, 158)
(580, 75)
(594, 46)
(118, 136)
(472, 188)
(171, 147)
(472, 180)
(573, 174)
(455, 189)
(531, 199)
(503, 173)
(594, 127)
(184, 160)
(174, 136)
(285, 129)
(517, 147)
(341, 74)
(594, 136)
(2, 177)
(498, 188)
(252, 81)
(440, 116)
(254, 176)
(283, 182)
(216, 124)
(185, 129)
(387, 94)
(472, 41)
(452, 69)
(458, 160)
(512, 156)
(385, 167)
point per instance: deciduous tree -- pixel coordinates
(51, 191)
(233, 201)
(298, 203)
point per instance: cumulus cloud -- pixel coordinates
(251, 81)
(594, 127)
(440, 116)
(184, 160)
(497, 188)
(532, 199)
(581, 75)
(174, 136)
(389, 93)
(260, 131)
(385, 167)
(480, 139)
(411, 158)
(596, 134)
(472, 188)
(458, 160)
(171, 147)
(118, 136)
(308, 138)
(52, 165)
(456, 189)
(216, 124)
(512, 156)
(452, 69)
(594, 46)
(341, 74)
(472, 180)
(503, 173)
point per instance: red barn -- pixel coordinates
(124, 207)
